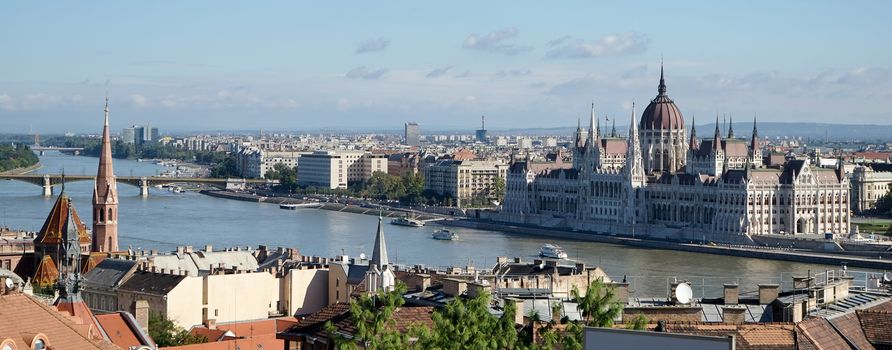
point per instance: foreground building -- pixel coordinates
(661, 183)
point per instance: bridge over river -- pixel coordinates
(143, 182)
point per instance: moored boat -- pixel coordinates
(407, 221)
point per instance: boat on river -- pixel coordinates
(407, 221)
(288, 206)
(444, 235)
(552, 251)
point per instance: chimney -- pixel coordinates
(768, 293)
(732, 294)
(454, 287)
(140, 311)
(478, 288)
(517, 260)
(733, 314)
(208, 248)
(501, 260)
(580, 268)
(180, 249)
(211, 323)
(518, 306)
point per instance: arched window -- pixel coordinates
(110, 217)
(101, 215)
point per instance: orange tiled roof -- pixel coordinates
(32, 317)
(80, 314)
(760, 336)
(877, 325)
(47, 273)
(94, 259)
(56, 223)
(266, 341)
(118, 331)
(821, 334)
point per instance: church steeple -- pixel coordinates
(717, 138)
(662, 88)
(634, 166)
(379, 254)
(105, 197)
(613, 128)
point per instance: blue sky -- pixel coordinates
(307, 65)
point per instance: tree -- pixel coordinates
(639, 323)
(884, 205)
(599, 307)
(166, 333)
(287, 177)
(468, 324)
(498, 188)
(225, 168)
(373, 319)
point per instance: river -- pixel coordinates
(165, 220)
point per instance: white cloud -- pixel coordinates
(512, 73)
(139, 100)
(618, 44)
(494, 42)
(8, 103)
(39, 101)
(364, 73)
(373, 45)
(437, 72)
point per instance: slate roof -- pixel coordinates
(151, 283)
(109, 272)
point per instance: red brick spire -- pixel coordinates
(105, 197)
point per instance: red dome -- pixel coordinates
(661, 113)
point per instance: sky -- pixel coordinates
(310, 65)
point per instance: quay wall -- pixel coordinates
(733, 250)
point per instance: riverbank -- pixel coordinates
(347, 208)
(770, 253)
(20, 171)
(733, 250)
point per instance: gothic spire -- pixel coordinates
(634, 163)
(695, 144)
(662, 88)
(754, 142)
(613, 128)
(717, 138)
(731, 127)
(105, 196)
(379, 254)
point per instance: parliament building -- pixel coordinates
(662, 180)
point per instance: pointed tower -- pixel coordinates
(695, 143)
(105, 197)
(379, 254)
(633, 171)
(634, 166)
(731, 127)
(717, 156)
(755, 147)
(613, 128)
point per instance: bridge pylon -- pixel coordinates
(144, 187)
(47, 186)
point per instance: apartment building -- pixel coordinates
(336, 169)
(464, 180)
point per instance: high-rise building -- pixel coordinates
(128, 136)
(412, 134)
(481, 133)
(105, 197)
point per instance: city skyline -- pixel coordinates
(299, 67)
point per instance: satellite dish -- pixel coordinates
(887, 277)
(361, 256)
(683, 293)
(9, 283)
